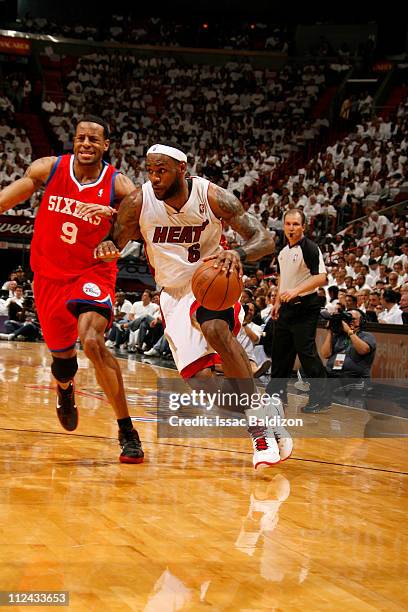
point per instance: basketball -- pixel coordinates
(214, 288)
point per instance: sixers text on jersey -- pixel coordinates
(59, 204)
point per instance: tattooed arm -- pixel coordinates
(123, 188)
(259, 241)
(125, 226)
(23, 188)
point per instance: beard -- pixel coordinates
(172, 191)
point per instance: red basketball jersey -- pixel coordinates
(64, 241)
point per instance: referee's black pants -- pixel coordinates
(295, 334)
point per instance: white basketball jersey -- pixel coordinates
(177, 241)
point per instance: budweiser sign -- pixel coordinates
(16, 227)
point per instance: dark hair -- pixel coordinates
(391, 296)
(95, 119)
(333, 291)
(293, 211)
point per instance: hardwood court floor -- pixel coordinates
(194, 527)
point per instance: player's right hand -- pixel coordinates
(90, 210)
(106, 251)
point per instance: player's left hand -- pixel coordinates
(288, 296)
(227, 260)
(106, 251)
(90, 210)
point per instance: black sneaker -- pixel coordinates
(131, 446)
(263, 369)
(316, 406)
(67, 411)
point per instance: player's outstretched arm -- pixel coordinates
(22, 189)
(225, 205)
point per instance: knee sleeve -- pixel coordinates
(64, 369)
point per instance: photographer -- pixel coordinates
(349, 350)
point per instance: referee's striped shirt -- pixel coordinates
(298, 263)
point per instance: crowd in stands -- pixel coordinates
(15, 146)
(15, 92)
(236, 122)
(189, 31)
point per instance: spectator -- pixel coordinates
(143, 313)
(391, 313)
(249, 336)
(121, 310)
(404, 303)
(23, 321)
(160, 349)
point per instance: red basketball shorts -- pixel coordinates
(56, 303)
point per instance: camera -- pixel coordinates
(335, 321)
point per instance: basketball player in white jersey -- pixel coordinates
(180, 221)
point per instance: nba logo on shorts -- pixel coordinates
(91, 289)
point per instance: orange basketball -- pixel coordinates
(214, 288)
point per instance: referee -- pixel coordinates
(297, 309)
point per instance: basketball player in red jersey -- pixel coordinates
(180, 221)
(74, 293)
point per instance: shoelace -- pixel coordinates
(258, 436)
(261, 444)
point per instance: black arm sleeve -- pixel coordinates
(310, 252)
